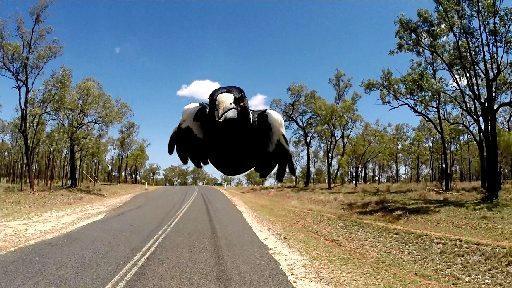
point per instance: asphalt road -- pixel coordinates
(173, 237)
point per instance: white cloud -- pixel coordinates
(117, 50)
(199, 89)
(257, 102)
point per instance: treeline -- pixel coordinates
(61, 133)
(459, 83)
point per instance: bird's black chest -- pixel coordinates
(231, 144)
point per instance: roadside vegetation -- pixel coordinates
(393, 235)
(16, 205)
(66, 131)
(458, 84)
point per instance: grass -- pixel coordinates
(398, 235)
(15, 204)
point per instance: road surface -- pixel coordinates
(172, 237)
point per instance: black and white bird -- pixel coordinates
(232, 137)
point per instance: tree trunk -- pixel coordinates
(81, 169)
(493, 174)
(126, 172)
(336, 174)
(329, 173)
(63, 172)
(308, 165)
(72, 164)
(51, 173)
(418, 175)
(356, 175)
(29, 164)
(483, 171)
(119, 167)
(397, 169)
(379, 175)
(22, 172)
(365, 173)
(431, 164)
(445, 165)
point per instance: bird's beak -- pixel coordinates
(231, 114)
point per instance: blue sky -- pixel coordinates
(144, 51)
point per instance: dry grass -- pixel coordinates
(15, 204)
(395, 235)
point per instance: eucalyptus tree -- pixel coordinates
(470, 43)
(4, 150)
(198, 176)
(138, 158)
(227, 180)
(419, 142)
(253, 179)
(420, 91)
(153, 170)
(399, 137)
(25, 51)
(318, 163)
(176, 175)
(365, 147)
(348, 117)
(334, 126)
(299, 117)
(125, 143)
(327, 129)
(93, 152)
(82, 110)
(505, 146)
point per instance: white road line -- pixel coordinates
(139, 259)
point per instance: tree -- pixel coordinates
(418, 151)
(198, 176)
(335, 123)
(419, 90)
(82, 111)
(227, 180)
(365, 147)
(137, 159)
(470, 41)
(398, 139)
(153, 170)
(210, 180)
(327, 129)
(125, 143)
(300, 119)
(176, 175)
(252, 178)
(24, 53)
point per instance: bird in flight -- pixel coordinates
(232, 137)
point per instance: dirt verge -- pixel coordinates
(300, 271)
(22, 231)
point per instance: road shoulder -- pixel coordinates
(34, 227)
(299, 269)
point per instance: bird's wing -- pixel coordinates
(188, 137)
(276, 151)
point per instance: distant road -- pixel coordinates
(173, 237)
